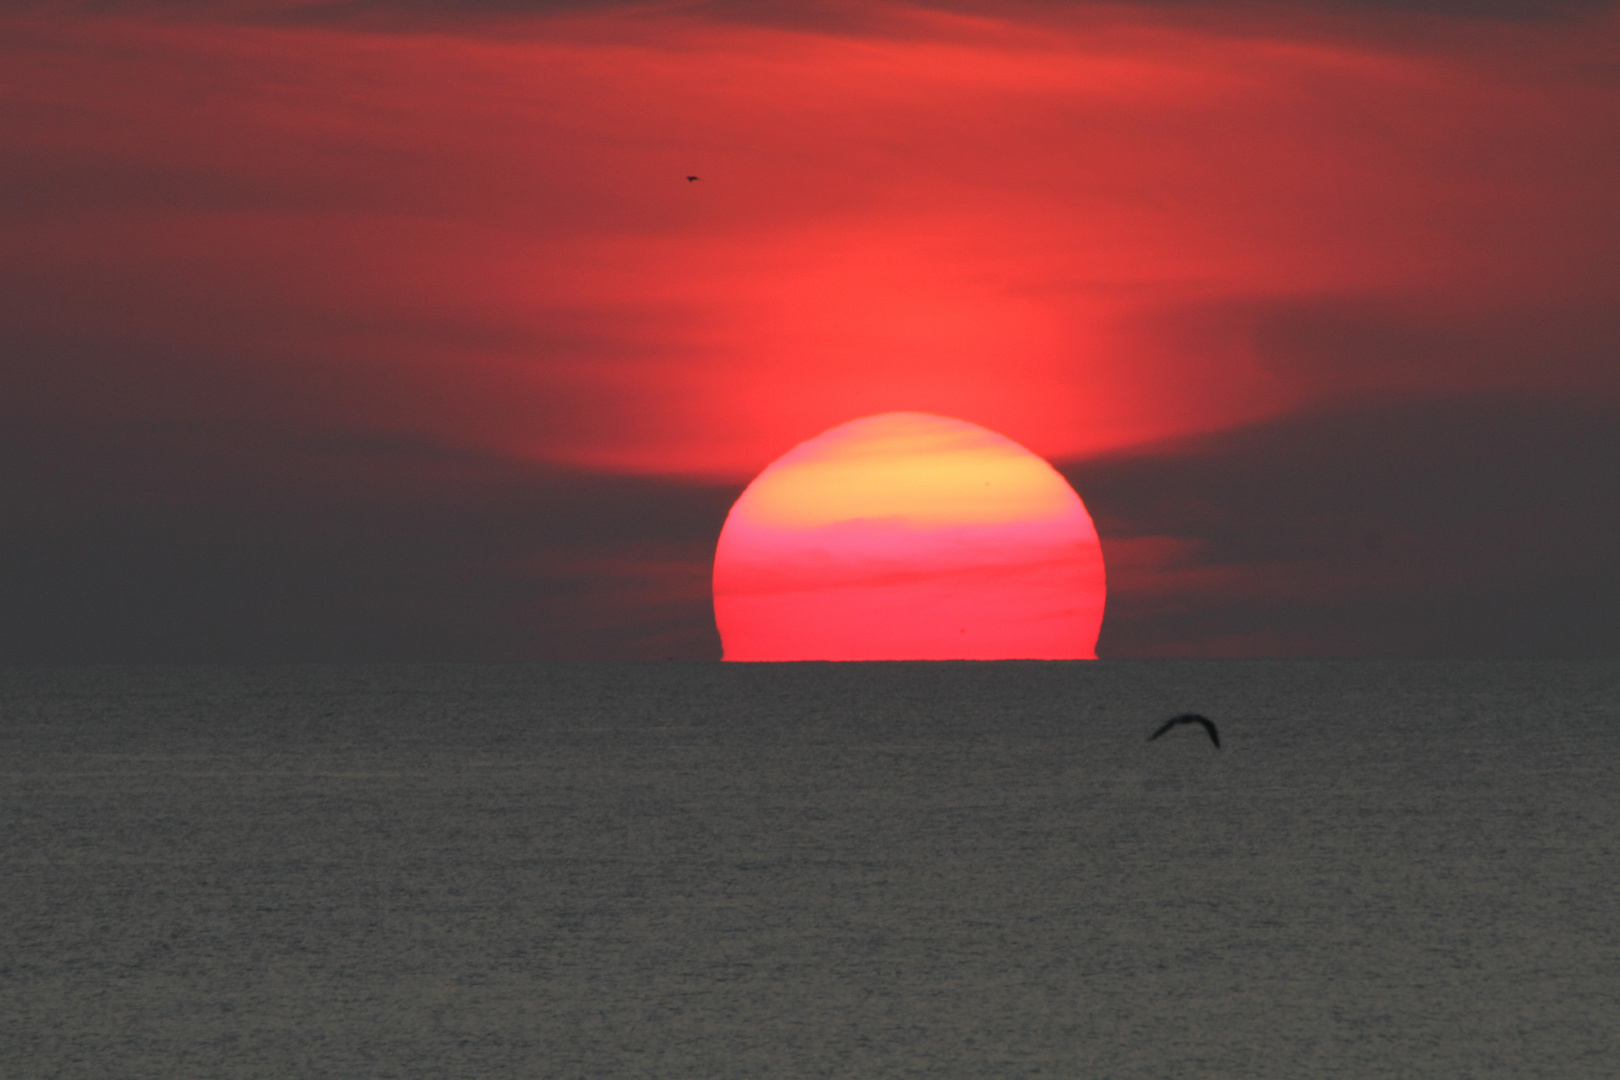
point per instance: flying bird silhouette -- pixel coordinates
(1190, 718)
(689, 179)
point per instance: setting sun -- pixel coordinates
(908, 537)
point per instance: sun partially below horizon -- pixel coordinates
(908, 536)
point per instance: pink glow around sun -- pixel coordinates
(908, 537)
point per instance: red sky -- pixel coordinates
(240, 234)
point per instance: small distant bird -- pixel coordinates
(1190, 718)
(689, 179)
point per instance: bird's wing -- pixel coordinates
(1209, 726)
(1168, 724)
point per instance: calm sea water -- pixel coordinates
(883, 870)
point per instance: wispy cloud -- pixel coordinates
(1081, 225)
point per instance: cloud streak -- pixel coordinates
(1461, 526)
(151, 545)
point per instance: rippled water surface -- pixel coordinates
(884, 870)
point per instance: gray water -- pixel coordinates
(885, 870)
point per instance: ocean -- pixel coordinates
(1389, 869)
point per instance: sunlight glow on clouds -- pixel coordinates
(1057, 220)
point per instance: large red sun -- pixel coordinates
(908, 537)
